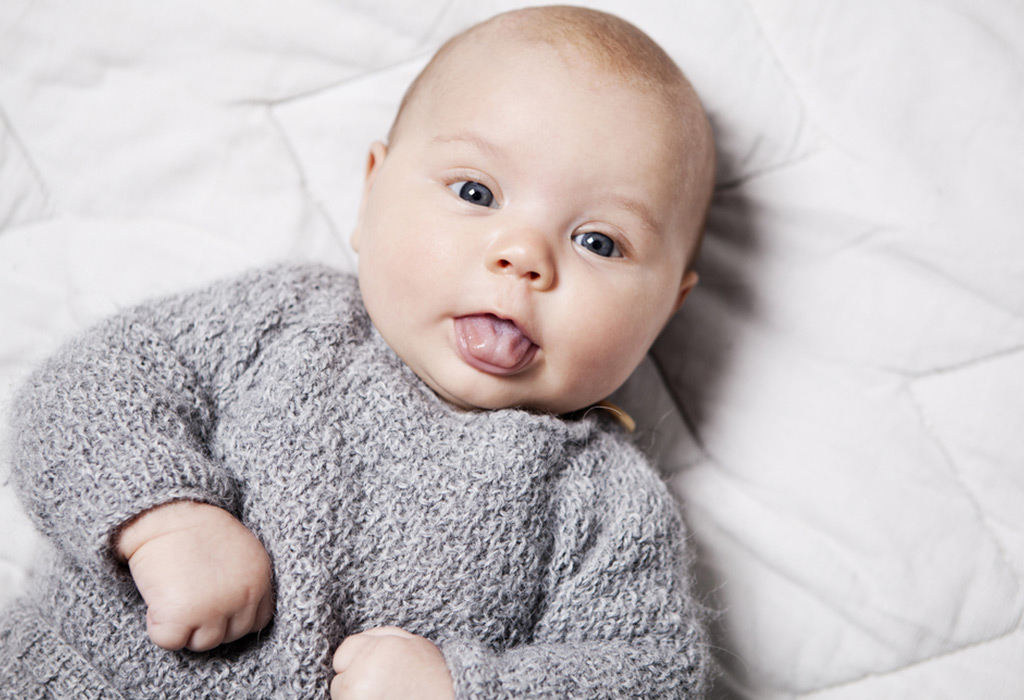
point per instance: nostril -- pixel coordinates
(507, 266)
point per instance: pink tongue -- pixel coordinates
(493, 341)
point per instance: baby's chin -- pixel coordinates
(483, 401)
(475, 399)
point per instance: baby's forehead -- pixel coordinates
(668, 100)
(662, 114)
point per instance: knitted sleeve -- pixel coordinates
(119, 420)
(619, 619)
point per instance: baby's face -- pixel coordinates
(522, 242)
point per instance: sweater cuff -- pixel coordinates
(531, 671)
(468, 663)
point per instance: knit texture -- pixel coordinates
(544, 556)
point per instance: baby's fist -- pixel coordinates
(205, 577)
(388, 663)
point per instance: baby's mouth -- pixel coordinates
(494, 345)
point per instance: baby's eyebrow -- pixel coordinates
(637, 208)
(471, 139)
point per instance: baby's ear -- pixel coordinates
(378, 152)
(690, 280)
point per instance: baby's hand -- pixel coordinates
(205, 577)
(388, 663)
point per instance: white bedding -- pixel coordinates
(840, 403)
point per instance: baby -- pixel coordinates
(394, 487)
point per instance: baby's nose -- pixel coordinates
(526, 255)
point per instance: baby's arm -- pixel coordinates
(205, 577)
(120, 422)
(618, 618)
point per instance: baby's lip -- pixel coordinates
(493, 344)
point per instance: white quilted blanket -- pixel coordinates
(840, 404)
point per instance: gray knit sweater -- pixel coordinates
(544, 556)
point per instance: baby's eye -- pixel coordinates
(473, 192)
(597, 243)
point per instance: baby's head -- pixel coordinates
(531, 225)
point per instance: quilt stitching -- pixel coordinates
(33, 200)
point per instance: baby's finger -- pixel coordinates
(264, 613)
(355, 645)
(338, 687)
(168, 635)
(241, 623)
(249, 619)
(208, 636)
(351, 648)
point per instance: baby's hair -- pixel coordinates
(604, 40)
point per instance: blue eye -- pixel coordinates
(473, 192)
(597, 243)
